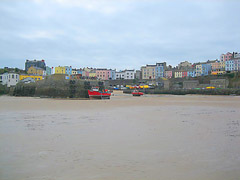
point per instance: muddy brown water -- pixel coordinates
(151, 137)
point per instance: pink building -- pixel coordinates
(85, 73)
(226, 57)
(103, 74)
(184, 74)
(168, 74)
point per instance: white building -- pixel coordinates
(126, 74)
(9, 79)
(120, 75)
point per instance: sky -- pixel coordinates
(117, 34)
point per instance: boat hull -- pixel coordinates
(137, 93)
(98, 95)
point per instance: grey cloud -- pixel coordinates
(137, 33)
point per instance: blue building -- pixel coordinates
(79, 71)
(48, 71)
(68, 70)
(229, 65)
(112, 74)
(206, 69)
(191, 73)
(159, 70)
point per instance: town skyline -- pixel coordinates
(116, 34)
(114, 68)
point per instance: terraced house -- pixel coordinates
(148, 71)
(126, 74)
(92, 73)
(103, 74)
(198, 69)
(36, 71)
(234, 63)
(191, 72)
(160, 69)
(60, 70)
(168, 74)
(216, 68)
(9, 79)
(203, 69)
(63, 70)
(178, 74)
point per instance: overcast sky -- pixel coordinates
(117, 33)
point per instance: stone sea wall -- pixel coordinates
(56, 88)
(190, 91)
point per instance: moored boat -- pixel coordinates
(137, 93)
(95, 93)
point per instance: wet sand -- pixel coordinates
(126, 138)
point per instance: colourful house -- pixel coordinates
(191, 73)
(168, 74)
(159, 70)
(198, 69)
(184, 74)
(103, 74)
(48, 70)
(148, 71)
(112, 74)
(222, 65)
(68, 70)
(92, 73)
(35, 71)
(178, 74)
(218, 68)
(80, 71)
(226, 57)
(74, 71)
(206, 69)
(230, 65)
(60, 70)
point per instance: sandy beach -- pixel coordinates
(125, 138)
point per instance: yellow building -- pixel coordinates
(92, 74)
(60, 70)
(199, 70)
(178, 74)
(35, 71)
(35, 77)
(74, 72)
(222, 65)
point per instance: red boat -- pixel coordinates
(137, 93)
(94, 93)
